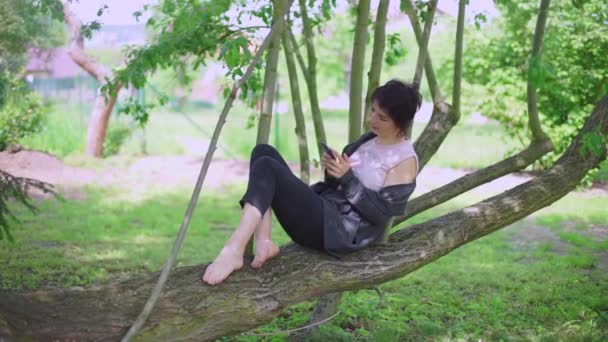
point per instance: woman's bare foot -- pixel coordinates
(264, 250)
(224, 264)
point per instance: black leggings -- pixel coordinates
(272, 184)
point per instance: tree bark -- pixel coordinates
(249, 298)
(533, 121)
(310, 72)
(296, 103)
(435, 132)
(375, 68)
(270, 75)
(424, 42)
(104, 103)
(458, 58)
(356, 80)
(474, 179)
(443, 117)
(428, 64)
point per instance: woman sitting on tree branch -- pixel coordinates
(364, 187)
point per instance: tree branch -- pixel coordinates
(375, 68)
(458, 59)
(428, 65)
(533, 120)
(76, 51)
(356, 80)
(311, 77)
(296, 102)
(472, 180)
(271, 74)
(424, 42)
(296, 50)
(435, 132)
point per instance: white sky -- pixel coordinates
(120, 12)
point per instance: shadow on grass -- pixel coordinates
(100, 239)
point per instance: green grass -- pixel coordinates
(490, 289)
(170, 132)
(108, 236)
(64, 132)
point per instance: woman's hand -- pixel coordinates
(336, 167)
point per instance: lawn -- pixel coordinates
(544, 278)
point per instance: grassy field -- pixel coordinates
(171, 132)
(541, 279)
(544, 278)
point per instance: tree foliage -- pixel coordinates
(571, 76)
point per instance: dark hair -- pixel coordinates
(399, 100)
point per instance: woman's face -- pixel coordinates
(381, 123)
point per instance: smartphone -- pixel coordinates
(328, 150)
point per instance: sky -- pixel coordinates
(120, 12)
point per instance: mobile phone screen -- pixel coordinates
(328, 150)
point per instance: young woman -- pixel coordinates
(364, 187)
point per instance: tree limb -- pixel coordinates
(533, 120)
(356, 80)
(271, 73)
(424, 42)
(435, 132)
(458, 58)
(76, 51)
(296, 50)
(296, 103)
(472, 180)
(428, 65)
(375, 68)
(311, 77)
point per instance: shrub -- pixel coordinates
(115, 137)
(20, 116)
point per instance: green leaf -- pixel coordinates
(593, 142)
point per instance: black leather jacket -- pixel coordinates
(356, 216)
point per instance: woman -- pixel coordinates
(364, 187)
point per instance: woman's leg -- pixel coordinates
(230, 258)
(264, 247)
(298, 209)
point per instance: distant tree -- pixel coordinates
(571, 75)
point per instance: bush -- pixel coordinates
(115, 137)
(19, 117)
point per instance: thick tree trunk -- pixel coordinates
(249, 298)
(102, 109)
(356, 79)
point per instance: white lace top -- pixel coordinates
(372, 161)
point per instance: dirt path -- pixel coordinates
(166, 172)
